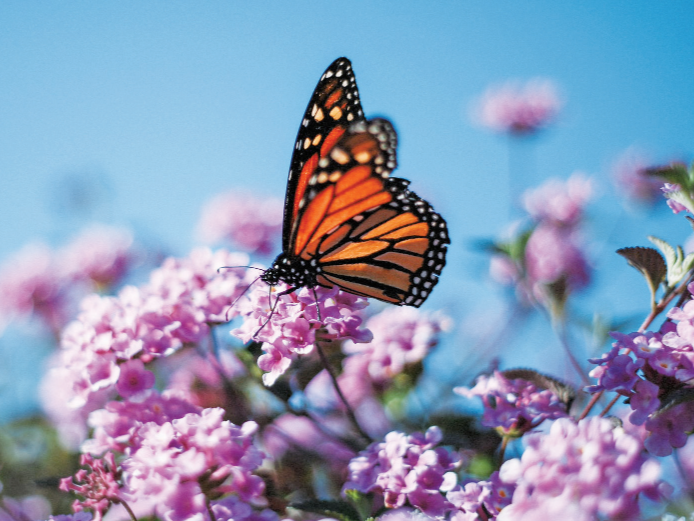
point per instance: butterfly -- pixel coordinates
(347, 223)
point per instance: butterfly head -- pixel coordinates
(294, 271)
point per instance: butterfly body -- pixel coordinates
(346, 221)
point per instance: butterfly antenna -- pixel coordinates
(241, 295)
(232, 267)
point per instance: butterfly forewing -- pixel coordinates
(333, 107)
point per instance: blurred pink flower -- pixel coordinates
(553, 254)
(250, 223)
(559, 202)
(630, 178)
(31, 284)
(100, 254)
(519, 109)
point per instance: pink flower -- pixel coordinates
(405, 469)
(489, 497)
(514, 406)
(98, 484)
(31, 284)
(580, 471)
(180, 463)
(248, 222)
(519, 109)
(100, 254)
(552, 254)
(402, 336)
(559, 202)
(287, 325)
(175, 309)
(134, 378)
(27, 508)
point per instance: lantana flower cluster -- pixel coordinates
(406, 470)
(548, 262)
(580, 471)
(514, 406)
(105, 349)
(287, 324)
(519, 109)
(40, 281)
(651, 369)
(173, 467)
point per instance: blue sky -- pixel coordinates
(161, 105)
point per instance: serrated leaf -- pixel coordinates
(677, 264)
(675, 398)
(563, 391)
(649, 262)
(332, 508)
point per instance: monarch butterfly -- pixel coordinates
(346, 222)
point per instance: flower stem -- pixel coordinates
(129, 510)
(333, 377)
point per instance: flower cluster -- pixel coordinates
(402, 337)
(40, 281)
(105, 349)
(100, 254)
(173, 462)
(406, 469)
(548, 262)
(652, 369)
(179, 465)
(480, 499)
(99, 484)
(250, 223)
(519, 109)
(514, 406)
(287, 323)
(583, 471)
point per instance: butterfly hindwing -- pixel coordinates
(333, 107)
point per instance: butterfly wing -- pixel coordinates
(362, 230)
(333, 107)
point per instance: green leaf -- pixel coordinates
(649, 262)
(677, 264)
(328, 507)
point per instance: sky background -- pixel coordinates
(155, 107)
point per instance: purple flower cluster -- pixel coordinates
(250, 223)
(514, 406)
(287, 325)
(105, 349)
(583, 471)
(480, 499)
(519, 109)
(406, 469)
(650, 368)
(98, 484)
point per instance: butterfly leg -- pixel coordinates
(274, 305)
